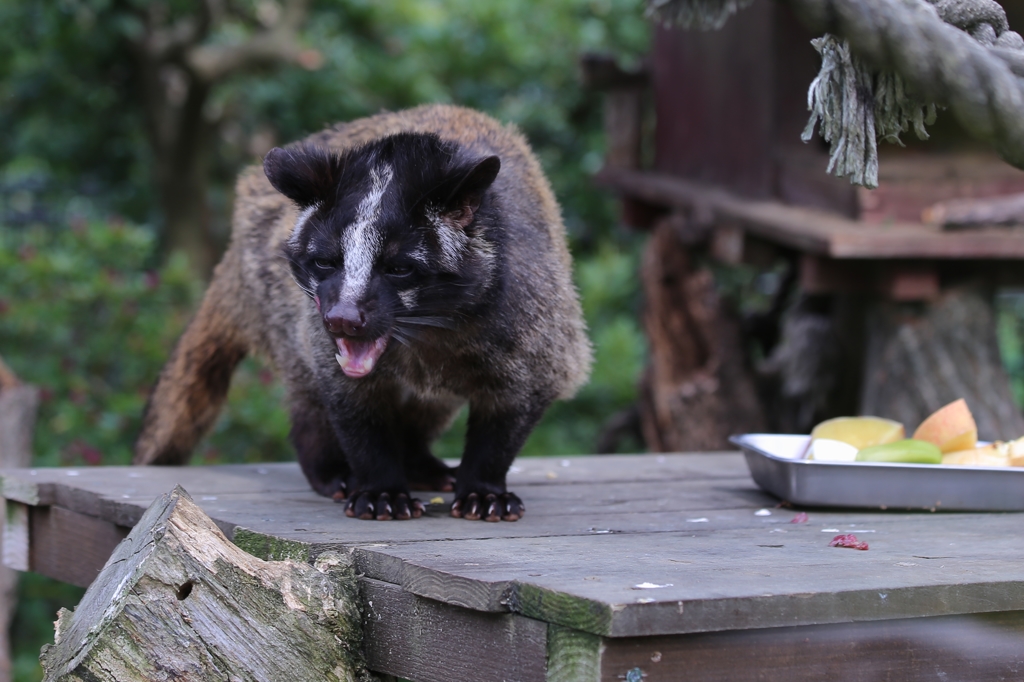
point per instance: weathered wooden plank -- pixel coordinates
(820, 232)
(69, 546)
(585, 544)
(727, 579)
(554, 490)
(549, 586)
(77, 488)
(36, 486)
(16, 537)
(718, 90)
(573, 510)
(573, 656)
(468, 589)
(426, 641)
(976, 648)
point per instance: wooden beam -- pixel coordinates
(815, 231)
(893, 280)
(1002, 210)
(55, 531)
(425, 640)
(977, 648)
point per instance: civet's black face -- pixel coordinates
(392, 238)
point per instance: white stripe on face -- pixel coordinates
(408, 298)
(452, 240)
(293, 240)
(362, 242)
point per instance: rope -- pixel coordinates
(886, 64)
(856, 108)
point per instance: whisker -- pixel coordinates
(305, 287)
(402, 336)
(426, 321)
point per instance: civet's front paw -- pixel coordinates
(488, 506)
(383, 505)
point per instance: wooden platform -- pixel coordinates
(819, 232)
(646, 567)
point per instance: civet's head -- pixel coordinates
(393, 238)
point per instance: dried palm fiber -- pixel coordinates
(702, 14)
(887, 64)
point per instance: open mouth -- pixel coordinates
(357, 357)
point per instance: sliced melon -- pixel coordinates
(860, 432)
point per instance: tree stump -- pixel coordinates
(18, 405)
(922, 356)
(697, 389)
(178, 601)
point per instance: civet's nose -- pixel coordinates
(345, 318)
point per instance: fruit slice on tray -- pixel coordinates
(998, 454)
(952, 428)
(909, 451)
(829, 450)
(860, 432)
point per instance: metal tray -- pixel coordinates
(777, 465)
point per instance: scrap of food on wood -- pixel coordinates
(849, 540)
(799, 517)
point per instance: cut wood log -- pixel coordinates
(178, 601)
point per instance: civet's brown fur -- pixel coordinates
(254, 306)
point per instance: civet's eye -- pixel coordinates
(323, 264)
(399, 270)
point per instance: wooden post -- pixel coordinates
(625, 92)
(697, 389)
(178, 601)
(18, 405)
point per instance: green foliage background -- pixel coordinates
(89, 307)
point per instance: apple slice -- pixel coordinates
(952, 428)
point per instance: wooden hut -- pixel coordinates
(876, 311)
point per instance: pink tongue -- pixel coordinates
(358, 358)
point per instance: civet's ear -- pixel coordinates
(305, 175)
(468, 184)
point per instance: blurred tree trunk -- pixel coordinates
(697, 389)
(923, 356)
(18, 405)
(177, 69)
(812, 370)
